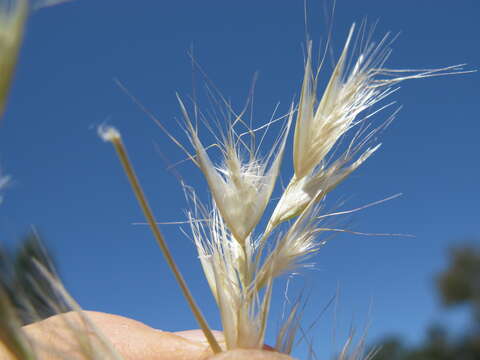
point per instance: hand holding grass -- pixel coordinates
(241, 259)
(132, 340)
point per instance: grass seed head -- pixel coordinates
(242, 185)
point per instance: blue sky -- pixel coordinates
(70, 186)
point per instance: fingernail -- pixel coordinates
(192, 335)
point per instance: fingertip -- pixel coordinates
(198, 336)
(250, 354)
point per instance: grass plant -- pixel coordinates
(240, 259)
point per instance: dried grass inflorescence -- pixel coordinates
(240, 259)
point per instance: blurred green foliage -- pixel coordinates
(458, 284)
(22, 283)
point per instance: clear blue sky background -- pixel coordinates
(70, 186)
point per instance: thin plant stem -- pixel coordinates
(137, 189)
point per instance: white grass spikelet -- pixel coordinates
(226, 267)
(295, 245)
(241, 185)
(299, 193)
(350, 91)
(320, 124)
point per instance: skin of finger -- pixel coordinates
(246, 354)
(135, 340)
(198, 336)
(132, 339)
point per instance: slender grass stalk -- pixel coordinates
(11, 336)
(12, 23)
(112, 135)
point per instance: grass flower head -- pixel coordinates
(243, 183)
(358, 82)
